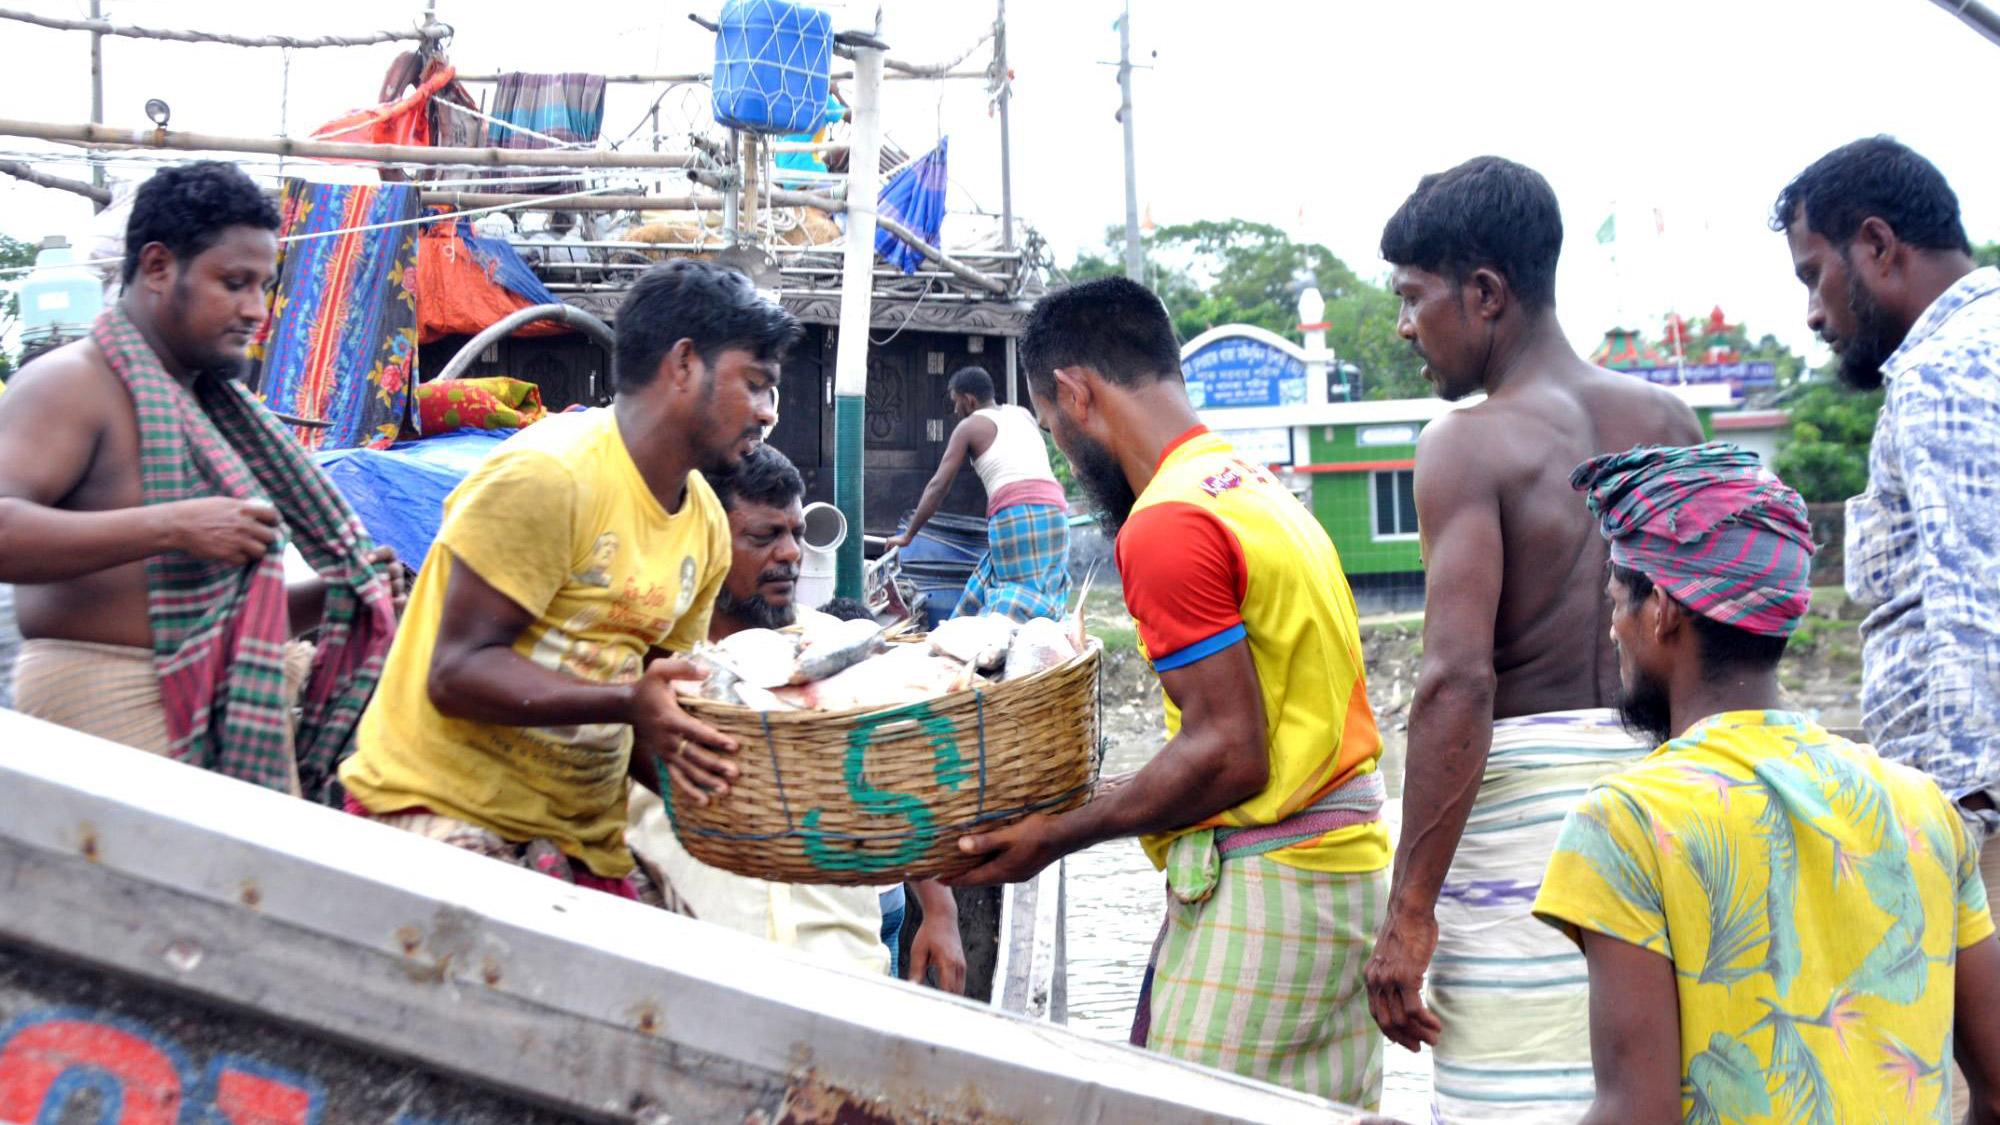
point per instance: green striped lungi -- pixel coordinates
(1512, 993)
(1263, 978)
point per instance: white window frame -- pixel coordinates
(1374, 514)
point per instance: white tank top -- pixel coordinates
(1017, 453)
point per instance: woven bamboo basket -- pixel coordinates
(867, 797)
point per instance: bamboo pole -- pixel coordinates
(104, 27)
(747, 164)
(910, 73)
(96, 93)
(103, 135)
(98, 195)
(621, 79)
(462, 200)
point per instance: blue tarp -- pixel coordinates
(915, 198)
(503, 264)
(399, 492)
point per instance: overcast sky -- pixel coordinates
(1685, 118)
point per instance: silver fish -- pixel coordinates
(836, 649)
(763, 657)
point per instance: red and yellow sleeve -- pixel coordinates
(1184, 579)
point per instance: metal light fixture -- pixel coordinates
(158, 112)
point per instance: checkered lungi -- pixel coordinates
(1263, 978)
(1026, 569)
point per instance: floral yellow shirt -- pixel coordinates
(1813, 899)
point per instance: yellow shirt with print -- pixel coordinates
(1812, 898)
(1299, 620)
(558, 520)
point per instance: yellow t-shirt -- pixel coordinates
(1216, 551)
(560, 521)
(1812, 898)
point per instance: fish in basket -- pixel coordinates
(863, 753)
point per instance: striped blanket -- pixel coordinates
(341, 344)
(569, 108)
(546, 111)
(1026, 569)
(1511, 992)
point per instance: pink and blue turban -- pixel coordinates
(1709, 525)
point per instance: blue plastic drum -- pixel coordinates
(772, 64)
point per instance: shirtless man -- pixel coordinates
(1514, 715)
(1026, 569)
(138, 594)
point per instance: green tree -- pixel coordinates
(13, 253)
(1987, 254)
(1235, 271)
(1826, 457)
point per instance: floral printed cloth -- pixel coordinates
(1812, 898)
(340, 346)
(492, 403)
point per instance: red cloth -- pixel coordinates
(405, 121)
(456, 296)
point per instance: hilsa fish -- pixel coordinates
(837, 648)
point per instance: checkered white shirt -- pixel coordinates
(1923, 549)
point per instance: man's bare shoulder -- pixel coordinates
(977, 424)
(73, 379)
(976, 432)
(1652, 410)
(1464, 448)
(1478, 432)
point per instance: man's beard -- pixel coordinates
(1645, 710)
(1103, 481)
(1876, 336)
(214, 361)
(754, 611)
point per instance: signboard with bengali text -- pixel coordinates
(1233, 370)
(1735, 374)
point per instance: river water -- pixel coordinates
(1115, 904)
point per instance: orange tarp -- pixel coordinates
(455, 297)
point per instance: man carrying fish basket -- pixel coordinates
(841, 925)
(531, 674)
(1264, 807)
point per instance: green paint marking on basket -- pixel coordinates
(951, 771)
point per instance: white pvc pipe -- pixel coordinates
(850, 373)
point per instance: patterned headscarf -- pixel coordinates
(1710, 526)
